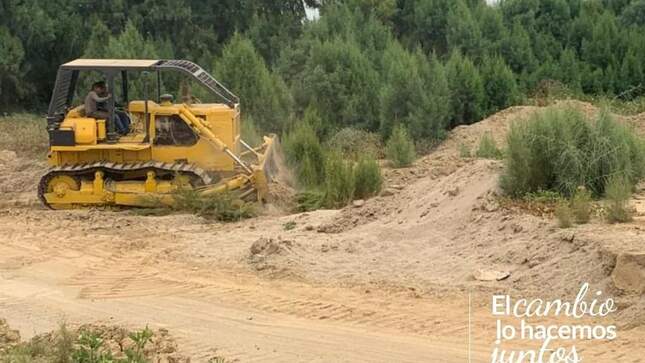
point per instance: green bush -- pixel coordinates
(305, 154)
(82, 346)
(354, 143)
(618, 192)
(488, 148)
(559, 150)
(400, 148)
(219, 206)
(564, 214)
(581, 205)
(310, 200)
(367, 178)
(339, 181)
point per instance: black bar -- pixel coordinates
(112, 136)
(124, 87)
(158, 87)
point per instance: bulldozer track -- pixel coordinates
(198, 175)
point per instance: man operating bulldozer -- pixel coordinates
(95, 107)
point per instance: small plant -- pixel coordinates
(141, 339)
(218, 206)
(618, 192)
(400, 148)
(581, 205)
(339, 181)
(464, 150)
(564, 215)
(367, 178)
(543, 196)
(309, 200)
(289, 225)
(64, 345)
(488, 148)
(90, 349)
(87, 345)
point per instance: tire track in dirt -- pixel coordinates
(121, 279)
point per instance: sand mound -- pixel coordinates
(439, 223)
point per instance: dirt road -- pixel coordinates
(216, 311)
(52, 269)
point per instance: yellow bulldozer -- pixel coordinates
(168, 146)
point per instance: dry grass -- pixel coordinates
(24, 134)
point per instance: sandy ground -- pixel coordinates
(388, 281)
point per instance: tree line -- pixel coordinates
(428, 65)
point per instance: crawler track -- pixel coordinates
(124, 171)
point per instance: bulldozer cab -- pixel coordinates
(164, 129)
(93, 164)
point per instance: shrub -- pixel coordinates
(354, 143)
(618, 192)
(305, 154)
(218, 206)
(488, 148)
(559, 150)
(367, 178)
(339, 181)
(400, 149)
(564, 215)
(309, 200)
(581, 205)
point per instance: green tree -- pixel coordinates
(130, 44)
(631, 73)
(492, 28)
(600, 49)
(339, 81)
(466, 88)
(463, 32)
(438, 96)
(634, 14)
(517, 51)
(499, 84)
(411, 84)
(263, 95)
(424, 22)
(11, 58)
(569, 69)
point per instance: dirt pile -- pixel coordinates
(269, 255)
(441, 222)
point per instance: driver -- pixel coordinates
(94, 107)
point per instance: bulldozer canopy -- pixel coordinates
(121, 64)
(68, 75)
